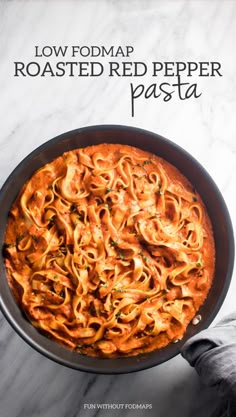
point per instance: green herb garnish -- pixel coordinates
(119, 289)
(73, 208)
(108, 190)
(199, 263)
(147, 162)
(19, 238)
(8, 245)
(144, 163)
(143, 256)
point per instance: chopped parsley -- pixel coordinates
(79, 347)
(73, 208)
(119, 289)
(80, 218)
(148, 161)
(143, 256)
(199, 263)
(8, 245)
(19, 238)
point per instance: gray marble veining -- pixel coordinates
(36, 109)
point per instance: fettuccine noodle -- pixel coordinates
(109, 251)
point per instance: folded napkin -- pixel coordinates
(213, 354)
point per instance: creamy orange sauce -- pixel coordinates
(109, 251)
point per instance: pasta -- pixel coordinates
(109, 251)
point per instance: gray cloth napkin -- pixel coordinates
(213, 354)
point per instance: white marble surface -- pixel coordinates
(34, 110)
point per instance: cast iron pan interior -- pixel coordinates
(197, 175)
